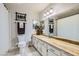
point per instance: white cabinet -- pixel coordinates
(46, 49)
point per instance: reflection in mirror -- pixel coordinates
(38, 26)
(51, 26)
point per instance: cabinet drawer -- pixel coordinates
(44, 50)
(39, 46)
(36, 44)
(54, 50)
(51, 54)
(63, 53)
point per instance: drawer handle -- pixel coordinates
(51, 50)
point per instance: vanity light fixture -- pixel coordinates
(48, 12)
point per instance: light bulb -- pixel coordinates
(47, 13)
(44, 14)
(51, 11)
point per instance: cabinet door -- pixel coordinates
(44, 49)
(36, 43)
(39, 46)
(53, 50)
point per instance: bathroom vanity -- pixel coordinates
(48, 46)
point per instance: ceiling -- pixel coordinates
(35, 7)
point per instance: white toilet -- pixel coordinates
(21, 44)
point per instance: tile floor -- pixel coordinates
(27, 51)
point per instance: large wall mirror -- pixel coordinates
(67, 27)
(64, 23)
